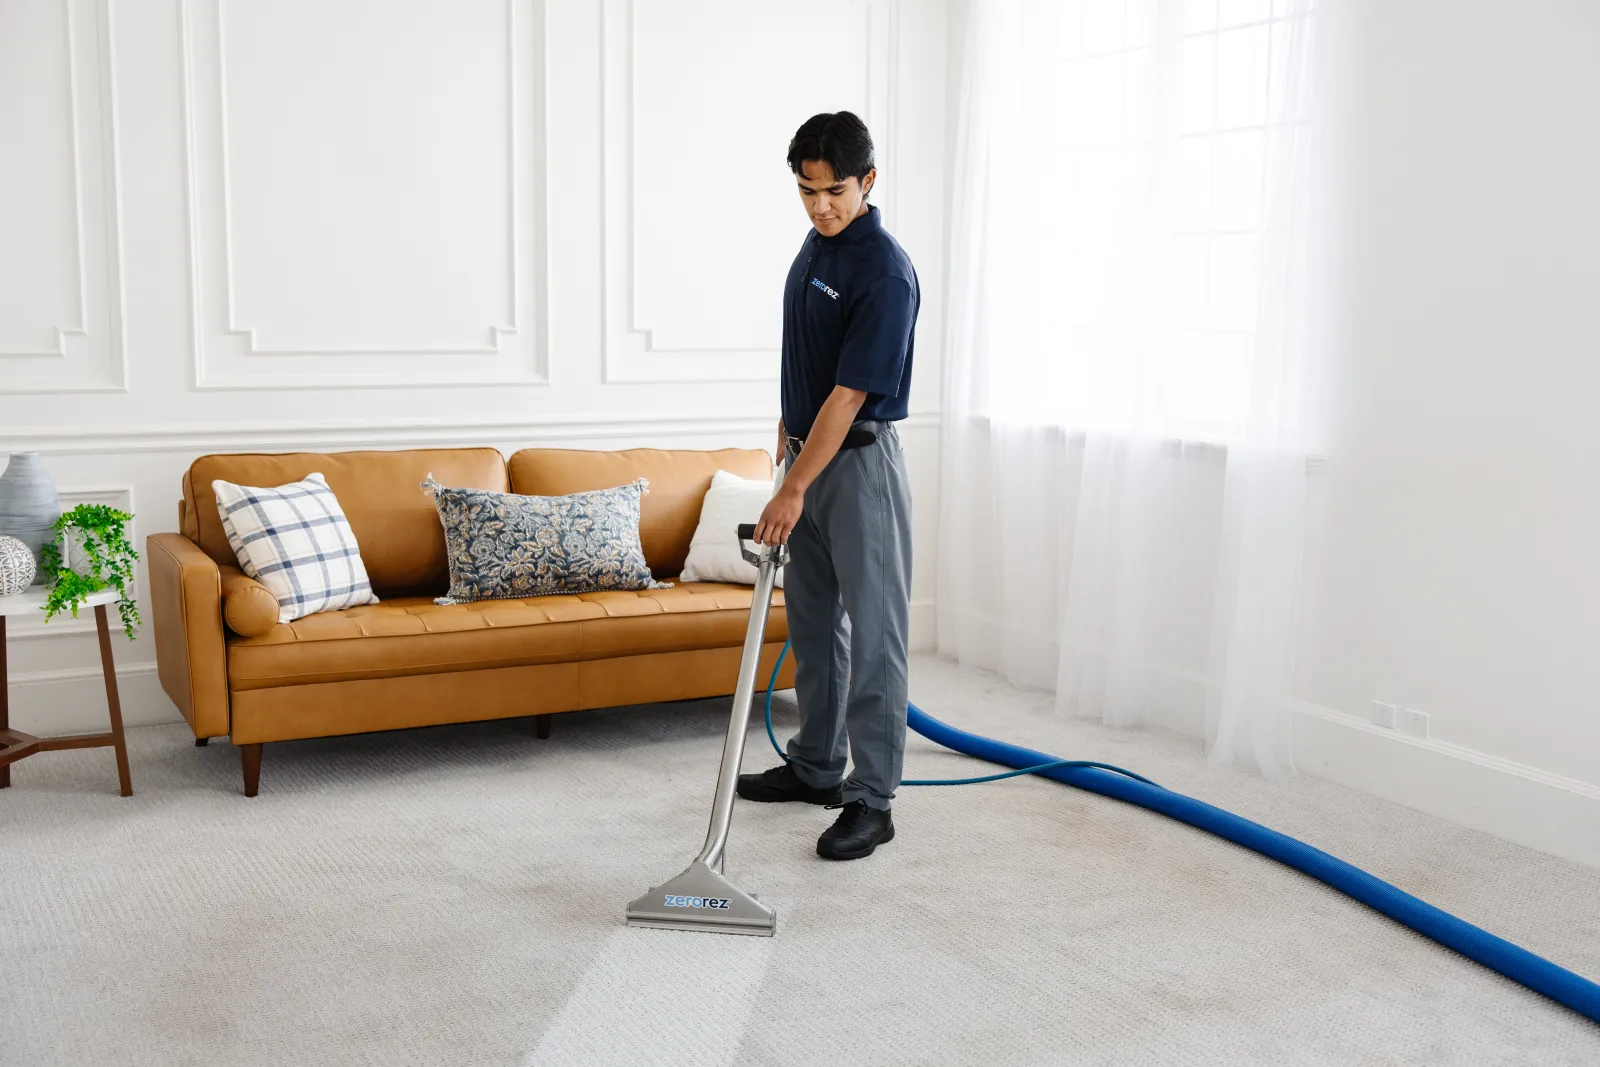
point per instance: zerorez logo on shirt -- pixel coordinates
(818, 283)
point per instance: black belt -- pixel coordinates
(857, 437)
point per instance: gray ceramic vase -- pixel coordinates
(29, 506)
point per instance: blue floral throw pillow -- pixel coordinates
(505, 545)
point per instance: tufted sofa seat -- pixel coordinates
(413, 635)
(406, 661)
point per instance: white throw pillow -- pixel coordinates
(714, 551)
(296, 541)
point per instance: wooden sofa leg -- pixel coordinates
(201, 742)
(541, 725)
(250, 756)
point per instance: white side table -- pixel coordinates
(15, 745)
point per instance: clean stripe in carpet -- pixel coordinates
(660, 997)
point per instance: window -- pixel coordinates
(1140, 165)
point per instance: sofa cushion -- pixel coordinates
(295, 540)
(248, 607)
(678, 480)
(413, 635)
(397, 526)
(715, 554)
(506, 545)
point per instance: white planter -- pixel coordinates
(73, 556)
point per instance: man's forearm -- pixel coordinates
(827, 434)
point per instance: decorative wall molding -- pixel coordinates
(630, 351)
(229, 354)
(117, 496)
(281, 436)
(89, 356)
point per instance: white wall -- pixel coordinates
(382, 224)
(1454, 565)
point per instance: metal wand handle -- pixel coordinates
(767, 560)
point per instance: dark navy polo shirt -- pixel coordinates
(849, 316)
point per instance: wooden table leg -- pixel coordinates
(5, 705)
(108, 667)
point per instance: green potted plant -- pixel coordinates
(90, 553)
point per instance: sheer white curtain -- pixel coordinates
(1126, 428)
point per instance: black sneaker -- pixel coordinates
(857, 832)
(780, 784)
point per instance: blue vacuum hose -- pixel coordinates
(1516, 963)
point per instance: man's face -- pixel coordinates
(832, 204)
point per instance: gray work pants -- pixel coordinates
(847, 593)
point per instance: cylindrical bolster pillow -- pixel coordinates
(248, 608)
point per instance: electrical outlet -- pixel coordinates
(1383, 714)
(1414, 722)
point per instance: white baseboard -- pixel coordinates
(73, 701)
(1513, 801)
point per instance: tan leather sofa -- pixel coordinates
(234, 670)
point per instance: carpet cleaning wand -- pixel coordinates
(701, 898)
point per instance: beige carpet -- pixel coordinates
(454, 896)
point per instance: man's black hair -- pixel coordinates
(837, 138)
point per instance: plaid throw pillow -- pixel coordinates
(295, 540)
(508, 545)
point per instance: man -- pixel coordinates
(844, 509)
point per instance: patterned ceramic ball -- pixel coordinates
(17, 566)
